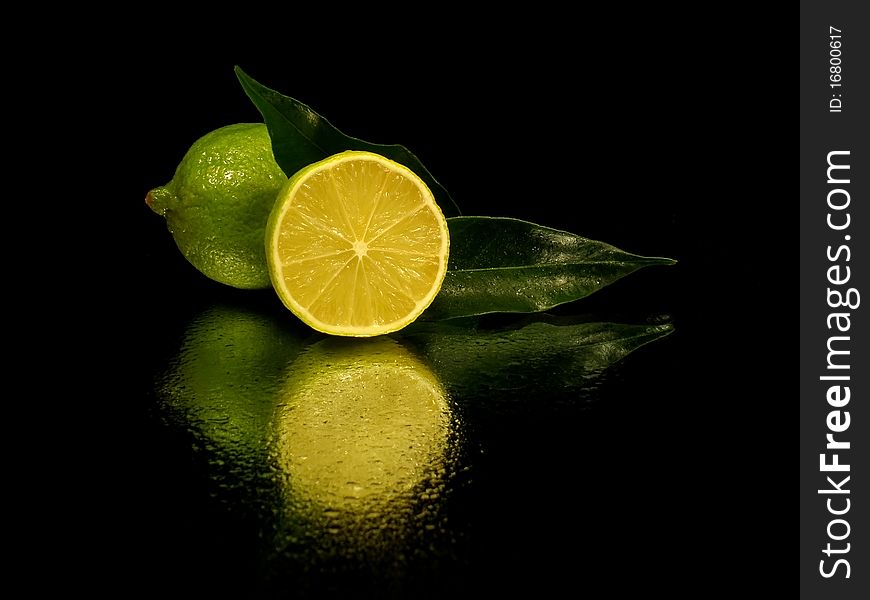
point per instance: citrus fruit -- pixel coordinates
(218, 202)
(356, 245)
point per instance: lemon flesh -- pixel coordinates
(356, 245)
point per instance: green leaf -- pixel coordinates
(300, 137)
(508, 265)
(545, 354)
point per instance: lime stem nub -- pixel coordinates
(157, 199)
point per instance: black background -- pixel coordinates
(649, 138)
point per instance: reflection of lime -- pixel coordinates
(225, 379)
(217, 204)
(357, 245)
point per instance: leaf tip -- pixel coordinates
(659, 260)
(664, 328)
(656, 332)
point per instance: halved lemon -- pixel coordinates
(356, 245)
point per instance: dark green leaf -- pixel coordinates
(508, 265)
(300, 137)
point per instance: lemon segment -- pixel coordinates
(356, 245)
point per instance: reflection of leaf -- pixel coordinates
(509, 265)
(300, 137)
(530, 359)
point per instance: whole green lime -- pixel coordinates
(218, 202)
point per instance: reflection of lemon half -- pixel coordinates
(363, 423)
(363, 435)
